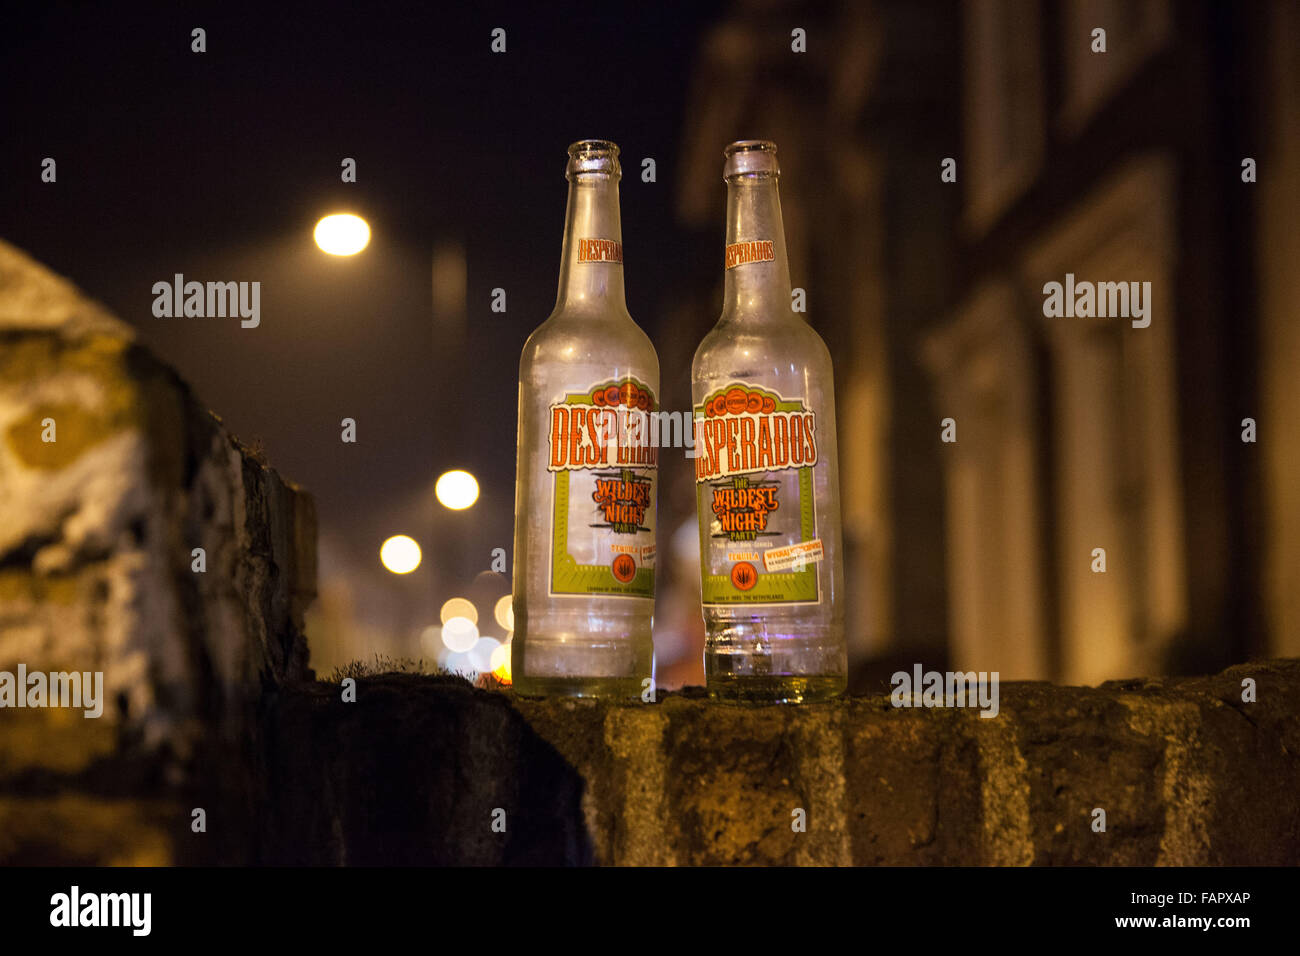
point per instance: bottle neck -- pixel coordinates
(591, 270)
(757, 272)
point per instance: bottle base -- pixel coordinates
(602, 688)
(774, 662)
(776, 689)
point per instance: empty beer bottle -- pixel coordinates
(767, 479)
(584, 559)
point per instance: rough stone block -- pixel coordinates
(97, 533)
(413, 770)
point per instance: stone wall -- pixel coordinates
(416, 768)
(111, 475)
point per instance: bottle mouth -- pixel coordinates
(593, 156)
(750, 157)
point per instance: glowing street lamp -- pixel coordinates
(342, 234)
(456, 490)
(400, 554)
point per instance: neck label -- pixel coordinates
(756, 250)
(600, 250)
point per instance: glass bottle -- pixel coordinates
(767, 476)
(584, 557)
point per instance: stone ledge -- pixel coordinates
(412, 772)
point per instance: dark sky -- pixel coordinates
(217, 165)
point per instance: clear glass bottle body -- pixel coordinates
(772, 602)
(572, 637)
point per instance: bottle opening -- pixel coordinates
(750, 157)
(598, 156)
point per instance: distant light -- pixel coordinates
(456, 663)
(456, 490)
(504, 612)
(459, 607)
(480, 655)
(501, 663)
(343, 234)
(459, 634)
(400, 554)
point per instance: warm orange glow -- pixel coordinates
(501, 663)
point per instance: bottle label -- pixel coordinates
(754, 486)
(600, 250)
(754, 250)
(603, 512)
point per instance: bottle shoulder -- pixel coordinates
(590, 338)
(775, 345)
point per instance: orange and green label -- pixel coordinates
(755, 455)
(604, 464)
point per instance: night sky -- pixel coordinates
(217, 165)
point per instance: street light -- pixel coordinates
(456, 490)
(400, 554)
(342, 234)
